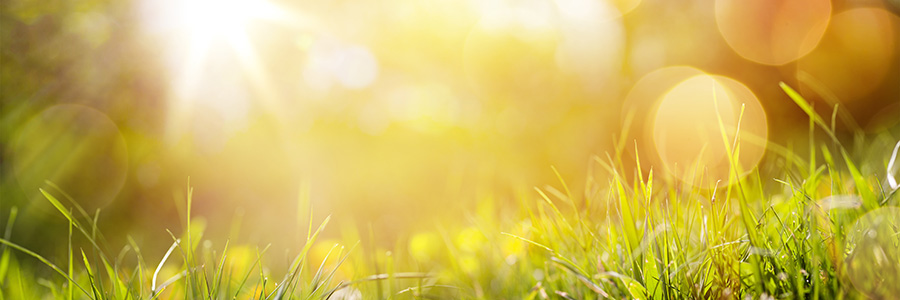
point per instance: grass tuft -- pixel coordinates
(794, 233)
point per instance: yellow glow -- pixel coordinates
(424, 246)
(641, 103)
(860, 43)
(224, 19)
(592, 41)
(542, 43)
(422, 128)
(874, 255)
(689, 137)
(210, 48)
(772, 32)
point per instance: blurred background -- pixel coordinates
(393, 115)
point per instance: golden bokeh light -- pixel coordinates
(331, 63)
(542, 45)
(691, 120)
(392, 116)
(874, 246)
(772, 32)
(855, 54)
(640, 104)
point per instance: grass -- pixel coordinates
(823, 227)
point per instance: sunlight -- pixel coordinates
(209, 47)
(450, 149)
(688, 135)
(226, 19)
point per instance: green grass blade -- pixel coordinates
(59, 207)
(862, 187)
(162, 261)
(46, 262)
(91, 277)
(7, 234)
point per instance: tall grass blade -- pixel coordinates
(160, 265)
(46, 262)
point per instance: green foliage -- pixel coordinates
(642, 238)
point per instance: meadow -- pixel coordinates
(820, 230)
(449, 149)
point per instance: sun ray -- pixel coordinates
(185, 82)
(250, 64)
(201, 27)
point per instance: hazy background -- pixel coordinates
(393, 115)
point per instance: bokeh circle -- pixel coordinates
(772, 32)
(688, 128)
(873, 263)
(75, 147)
(640, 105)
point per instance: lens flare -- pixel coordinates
(772, 32)
(640, 104)
(874, 261)
(210, 51)
(75, 147)
(702, 120)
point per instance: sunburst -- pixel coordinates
(197, 31)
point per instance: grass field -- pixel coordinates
(449, 149)
(817, 225)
